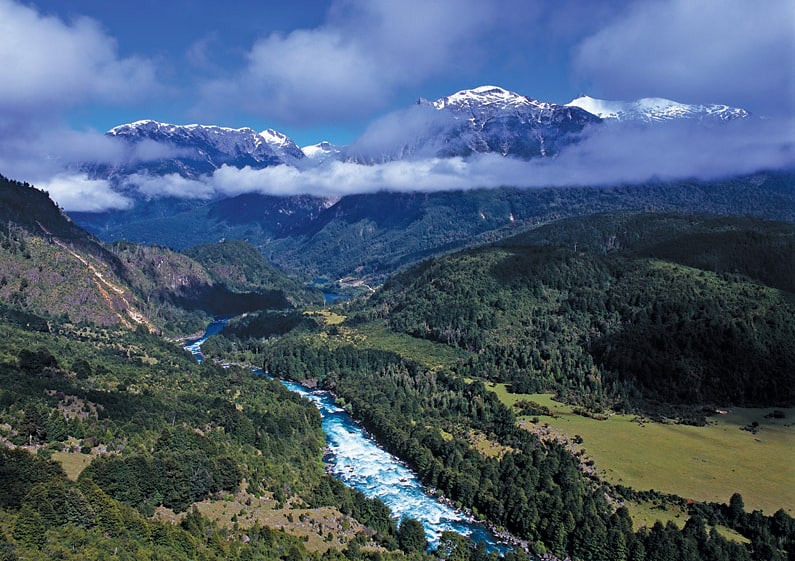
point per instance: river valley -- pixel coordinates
(359, 462)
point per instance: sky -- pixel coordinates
(325, 70)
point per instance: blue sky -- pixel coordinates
(323, 69)
(326, 69)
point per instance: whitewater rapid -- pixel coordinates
(356, 459)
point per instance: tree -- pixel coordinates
(736, 509)
(411, 536)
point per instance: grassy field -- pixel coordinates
(320, 529)
(73, 464)
(700, 463)
(432, 355)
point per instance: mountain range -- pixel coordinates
(370, 235)
(483, 120)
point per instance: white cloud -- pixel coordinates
(76, 192)
(348, 67)
(169, 185)
(719, 51)
(49, 65)
(608, 155)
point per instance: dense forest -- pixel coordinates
(535, 490)
(611, 313)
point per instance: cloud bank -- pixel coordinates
(611, 154)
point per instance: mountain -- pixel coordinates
(52, 268)
(371, 235)
(487, 119)
(194, 150)
(320, 152)
(656, 109)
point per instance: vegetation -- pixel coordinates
(374, 235)
(700, 463)
(608, 312)
(534, 490)
(603, 328)
(240, 267)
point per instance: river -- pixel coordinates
(359, 462)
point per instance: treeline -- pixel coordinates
(534, 490)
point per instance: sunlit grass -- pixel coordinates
(432, 355)
(73, 464)
(699, 463)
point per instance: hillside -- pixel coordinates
(240, 267)
(109, 436)
(609, 326)
(53, 268)
(622, 311)
(372, 235)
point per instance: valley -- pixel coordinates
(639, 322)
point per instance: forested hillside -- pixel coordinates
(372, 235)
(618, 310)
(161, 432)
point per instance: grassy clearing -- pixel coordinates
(327, 317)
(645, 514)
(320, 529)
(73, 464)
(700, 463)
(432, 355)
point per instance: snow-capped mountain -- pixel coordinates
(487, 119)
(656, 109)
(195, 150)
(320, 152)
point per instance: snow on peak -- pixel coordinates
(655, 109)
(321, 151)
(485, 96)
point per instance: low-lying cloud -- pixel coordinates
(611, 154)
(77, 193)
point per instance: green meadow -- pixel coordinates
(699, 463)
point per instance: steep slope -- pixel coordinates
(51, 267)
(239, 266)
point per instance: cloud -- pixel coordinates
(703, 51)
(76, 192)
(169, 185)
(612, 154)
(50, 65)
(356, 61)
